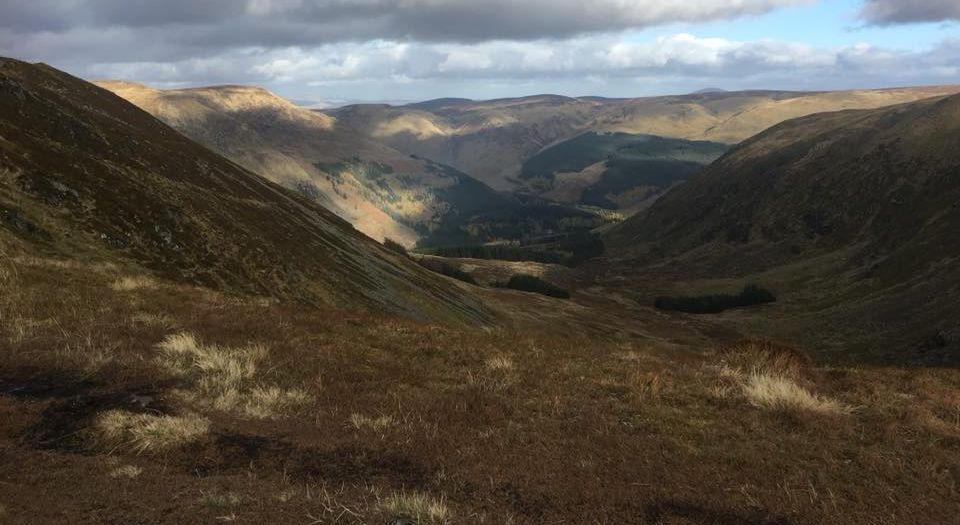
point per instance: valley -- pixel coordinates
(220, 307)
(454, 173)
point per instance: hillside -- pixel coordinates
(133, 400)
(616, 171)
(382, 192)
(85, 174)
(490, 140)
(855, 213)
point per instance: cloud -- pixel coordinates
(884, 12)
(606, 64)
(310, 22)
(423, 48)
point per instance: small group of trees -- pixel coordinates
(569, 250)
(530, 283)
(751, 295)
(395, 246)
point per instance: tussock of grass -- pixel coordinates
(149, 319)
(768, 376)
(420, 508)
(134, 282)
(500, 363)
(498, 373)
(148, 432)
(764, 357)
(267, 402)
(221, 499)
(782, 394)
(225, 378)
(377, 424)
(126, 472)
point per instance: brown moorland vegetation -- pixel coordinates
(440, 425)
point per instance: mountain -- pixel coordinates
(491, 140)
(383, 192)
(84, 173)
(439, 103)
(856, 214)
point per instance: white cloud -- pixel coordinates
(581, 65)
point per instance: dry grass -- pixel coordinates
(768, 376)
(376, 424)
(764, 357)
(221, 499)
(268, 402)
(150, 319)
(225, 378)
(500, 363)
(126, 472)
(420, 508)
(782, 394)
(614, 431)
(148, 432)
(133, 282)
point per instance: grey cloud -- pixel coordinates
(279, 22)
(86, 32)
(908, 11)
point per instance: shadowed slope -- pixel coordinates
(82, 171)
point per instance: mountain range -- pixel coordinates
(454, 171)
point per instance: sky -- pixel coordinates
(337, 51)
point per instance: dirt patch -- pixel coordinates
(71, 405)
(668, 511)
(231, 453)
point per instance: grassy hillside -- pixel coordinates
(83, 173)
(854, 213)
(118, 405)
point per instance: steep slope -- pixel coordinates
(490, 140)
(85, 173)
(383, 192)
(868, 202)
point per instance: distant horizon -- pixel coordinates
(340, 103)
(337, 103)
